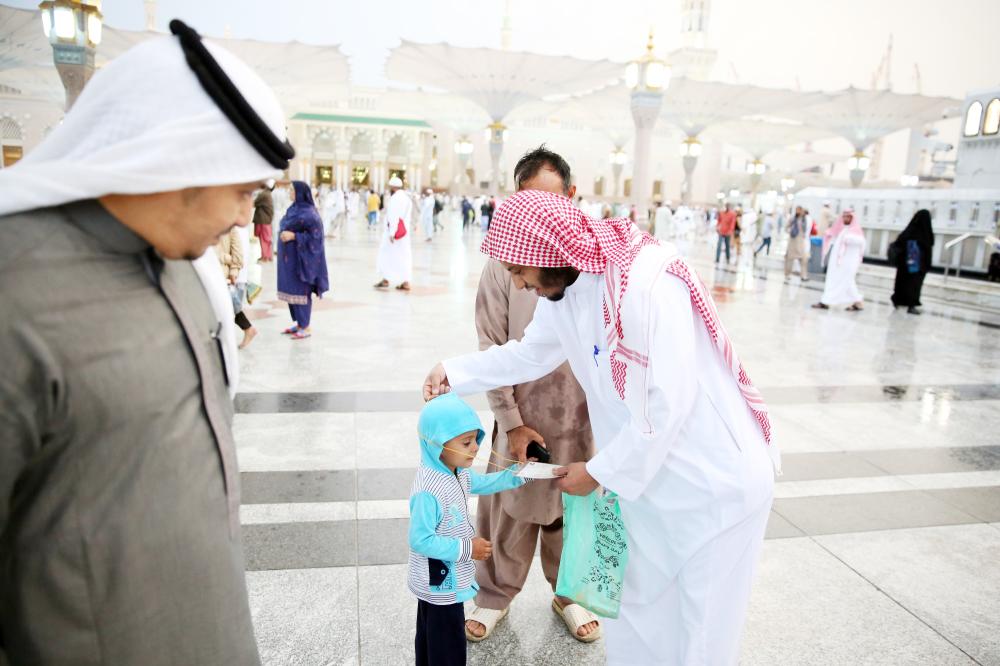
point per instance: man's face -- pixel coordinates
(548, 283)
(798, 210)
(201, 215)
(548, 180)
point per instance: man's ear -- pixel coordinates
(572, 192)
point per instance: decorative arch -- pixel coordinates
(991, 123)
(324, 144)
(11, 130)
(973, 119)
(398, 148)
(362, 144)
(11, 140)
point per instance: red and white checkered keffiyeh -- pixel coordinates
(545, 230)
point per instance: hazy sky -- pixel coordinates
(822, 44)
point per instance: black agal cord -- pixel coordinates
(230, 101)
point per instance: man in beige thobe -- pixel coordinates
(798, 244)
(551, 411)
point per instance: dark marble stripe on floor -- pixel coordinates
(349, 402)
(395, 483)
(367, 542)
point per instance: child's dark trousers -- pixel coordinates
(440, 634)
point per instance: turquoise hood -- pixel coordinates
(441, 419)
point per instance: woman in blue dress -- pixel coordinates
(301, 260)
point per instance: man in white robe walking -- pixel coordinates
(427, 214)
(843, 250)
(682, 436)
(395, 257)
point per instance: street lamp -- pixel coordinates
(858, 164)
(690, 151)
(787, 184)
(617, 159)
(463, 148)
(756, 169)
(496, 134)
(73, 28)
(648, 77)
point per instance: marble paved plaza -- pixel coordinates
(883, 545)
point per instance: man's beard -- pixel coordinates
(560, 278)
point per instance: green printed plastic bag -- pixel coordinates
(595, 552)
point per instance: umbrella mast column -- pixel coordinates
(648, 77)
(690, 152)
(645, 111)
(497, 132)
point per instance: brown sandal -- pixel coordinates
(821, 306)
(384, 284)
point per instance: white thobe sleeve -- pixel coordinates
(535, 355)
(629, 462)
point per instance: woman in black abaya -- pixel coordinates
(911, 254)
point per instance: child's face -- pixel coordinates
(460, 451)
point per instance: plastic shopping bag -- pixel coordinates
(254, 277)
(595, 552)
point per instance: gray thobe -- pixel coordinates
(119, 529)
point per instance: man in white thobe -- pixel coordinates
(682, 436)
(843, 250)
(395, 257)
(353, 200)
(664, 222)
(427, 215)
(339, 211)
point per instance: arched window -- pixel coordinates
(973, 117)
(991, 125)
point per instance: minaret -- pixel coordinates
(694, 24)
(881, 80)
(505, 27)
(150, 15)
(694, 59)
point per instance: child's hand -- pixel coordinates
(481, 549)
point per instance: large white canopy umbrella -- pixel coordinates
(497, 81)
(761, 138)
(865, 116)
(694, 106)
(301, 74)
(444, 111)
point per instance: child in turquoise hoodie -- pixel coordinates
(443, 544)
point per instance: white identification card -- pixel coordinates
(537, 470)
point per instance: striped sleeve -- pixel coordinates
(465, 550)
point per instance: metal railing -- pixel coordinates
(951, 245)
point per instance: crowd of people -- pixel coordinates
(601, 351)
